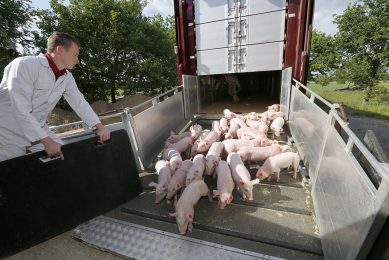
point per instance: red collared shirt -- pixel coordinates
(58, 73)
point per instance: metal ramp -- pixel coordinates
(135, 241)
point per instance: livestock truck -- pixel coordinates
(337, 208)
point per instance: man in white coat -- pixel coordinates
(30, 89)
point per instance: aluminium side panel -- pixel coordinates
(152, 126)
(260, 57)
(216, 61)
(191, 90)
(250, 7)
(307, 123)
(214, 10)
(285, 91)
(219, 34)
(344, 199)
(262, 28)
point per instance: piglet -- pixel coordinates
(205, 144)
(197, 170)
(231, 134)
(241, 176)
(228, 114)
(274, 115)
(193, 150)
(164, 176)
(174, 157)
(275, 163)
(225, 184)
(217, 128)
(276, 125)
(185, 206)
(255, 154)
(178, 179)
(213, 157)
(255, 124)
(177, 137)
(252, 116)
(233, 145)
(239, 121)
(195, 131)
(182, 145)
(224, 125)
(274, 107)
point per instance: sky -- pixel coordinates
(322, 21)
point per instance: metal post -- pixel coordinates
(330, 123)
(128, 123)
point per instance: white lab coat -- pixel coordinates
(28, 93)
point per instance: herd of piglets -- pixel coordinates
(245, 140)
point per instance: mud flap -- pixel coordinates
(39, 200)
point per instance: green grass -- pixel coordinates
(353, 99)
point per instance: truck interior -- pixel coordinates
(258, 91)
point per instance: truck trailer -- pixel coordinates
(337, 208)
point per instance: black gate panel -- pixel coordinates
(41, 200)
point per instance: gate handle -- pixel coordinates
(46, 159)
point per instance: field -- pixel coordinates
(353, 99)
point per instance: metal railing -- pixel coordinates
(348, 207)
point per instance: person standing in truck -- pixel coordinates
(30, 89)
(233, 86)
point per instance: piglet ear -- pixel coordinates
(189, 216)
(260, 174)
(172, 132)
(230, 199)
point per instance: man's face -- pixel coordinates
(70, 56)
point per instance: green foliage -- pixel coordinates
(377, 107)
(363, 43)
(323, 54)
(323, 80)
(15, 16)
(121, 51)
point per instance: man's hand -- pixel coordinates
(103, 133)
(52, 148)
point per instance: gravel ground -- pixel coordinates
(380, 128)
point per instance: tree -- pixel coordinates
(323, 58)
(15, 16)
(363, 43)
(121, 51)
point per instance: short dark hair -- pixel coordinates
(60, 39)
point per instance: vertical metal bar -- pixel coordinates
(85, 126)
(330, 123)
(349, 146)
(198, 95)
(129, 124)
(312, 99)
